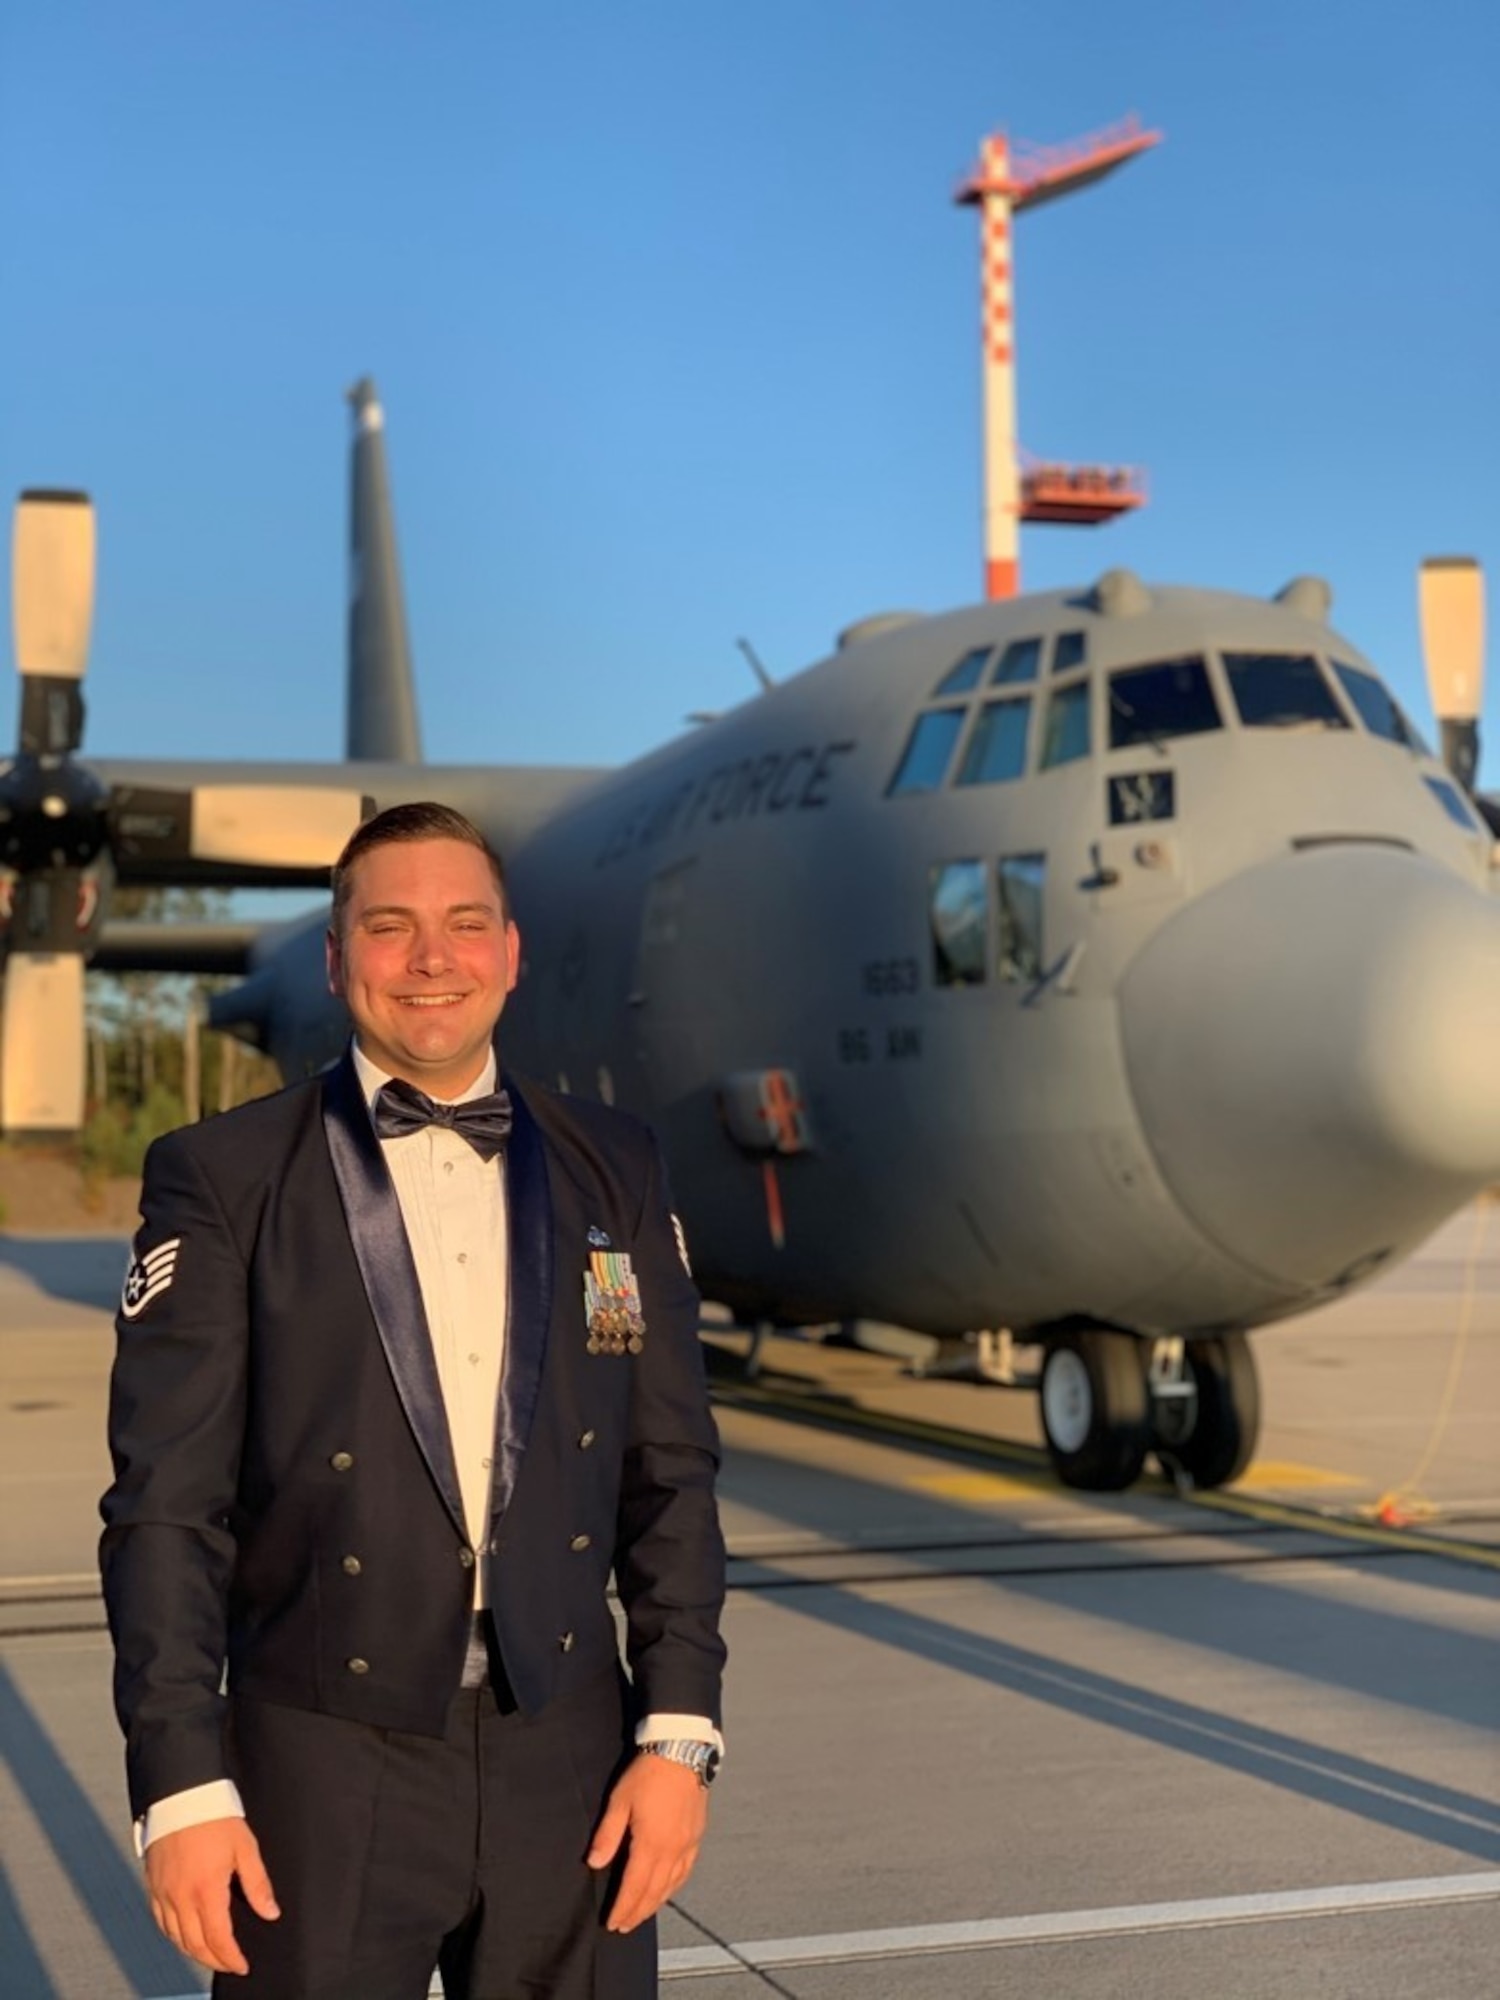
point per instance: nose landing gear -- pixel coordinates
(1095, 1410)
(1109, 1398)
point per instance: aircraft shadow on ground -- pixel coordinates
(1278, 1627)
(89, 1856)
(82, 1270)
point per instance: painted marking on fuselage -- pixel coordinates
(887, 978)
(778, 781)
(1135, 796)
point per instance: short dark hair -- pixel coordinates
(424, 819)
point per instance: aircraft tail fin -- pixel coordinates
(381, 716)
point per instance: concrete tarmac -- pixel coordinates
(987, 1737)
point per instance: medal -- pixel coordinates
(612, 1303)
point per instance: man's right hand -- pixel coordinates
(187, 1878)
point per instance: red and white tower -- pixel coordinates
(1000, 186)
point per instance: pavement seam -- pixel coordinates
(741, 1963)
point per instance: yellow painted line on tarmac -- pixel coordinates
(1271, 1474)
(829, 1413)
(817, 1407)
(979, 1489)
(1341, 1528)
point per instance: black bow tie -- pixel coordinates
(400, 1109)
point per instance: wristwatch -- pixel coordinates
(701, 1758)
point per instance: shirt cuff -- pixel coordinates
(678, 1729)
(218, 1799)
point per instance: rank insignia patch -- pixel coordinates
(148, 1277)
(612, 1302)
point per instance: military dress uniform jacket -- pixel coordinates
(285, 1499)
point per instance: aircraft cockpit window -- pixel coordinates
(1282, 691)
(996, 750)
(1452, 802)
(1065, 735)
(1377, 710)
(1069, 649)
(924, 762)
(965, 677)
(1167, 698)
(1021, 879)
(1019, 662)
(959, 909)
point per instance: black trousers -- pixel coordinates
(393, 1855)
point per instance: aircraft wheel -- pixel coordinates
(1213, 1440)
(1095, 1410)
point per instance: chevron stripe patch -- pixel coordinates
(148, 1277)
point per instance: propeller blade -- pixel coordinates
(243, 826)
(52, 583)
(1450, 597)
(52, 606)
(42, 1042)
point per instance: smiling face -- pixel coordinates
(423, 959)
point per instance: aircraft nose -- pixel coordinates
(1314, 1051)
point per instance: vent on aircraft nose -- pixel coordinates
(1309, 596)
(1119, 593)
(876, 626)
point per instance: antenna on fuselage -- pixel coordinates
(757, 665)
(381, 712)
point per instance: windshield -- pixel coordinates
(1167, 698)
(1282, 691)
(1377, 709)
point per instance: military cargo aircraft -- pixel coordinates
(1104, 972)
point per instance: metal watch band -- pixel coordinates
(701, 1758)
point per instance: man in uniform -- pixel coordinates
(408, 1367)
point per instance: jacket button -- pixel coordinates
(352, 1565)
(342, 1460)
(579, 1543)
(566, 1642)
(466, 1558)
(357, 1665)
(586, 1440)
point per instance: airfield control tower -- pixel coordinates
(1074, 495)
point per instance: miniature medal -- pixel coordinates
(612, 1302)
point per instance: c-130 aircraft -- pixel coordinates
(1113, 970)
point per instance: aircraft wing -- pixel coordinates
(220, 949)
(205, 824)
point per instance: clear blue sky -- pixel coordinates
(676, 330)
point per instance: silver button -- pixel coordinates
(351, 1565)
(466, 1558)
(579, 1543)
(475, 1359)
(342, 1460)
(463, 1256)
(586, 1440)
(357, 1665)
(565, 1642)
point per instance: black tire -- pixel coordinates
(1096, 1412)
(1217, 1438)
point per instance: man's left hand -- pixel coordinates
(662, 1810)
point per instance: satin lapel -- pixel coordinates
(390, 1276)
(529, 1206)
